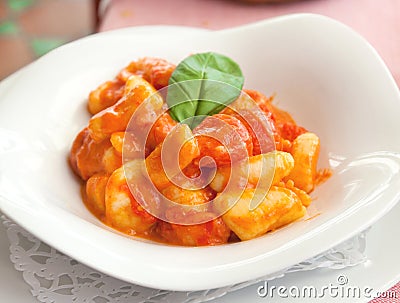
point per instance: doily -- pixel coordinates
(55, 277)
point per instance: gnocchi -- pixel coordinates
(108, 157)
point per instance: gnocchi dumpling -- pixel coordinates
(279, 207)
(305, 151)
(272, 166)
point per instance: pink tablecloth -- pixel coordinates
(392, 295)
(377, 20)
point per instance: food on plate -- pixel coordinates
(281, 206)
(225, 165)
(155, 71)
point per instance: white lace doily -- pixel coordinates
(56, 278)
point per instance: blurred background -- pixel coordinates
(31, 28)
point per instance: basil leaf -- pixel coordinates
(203, 84)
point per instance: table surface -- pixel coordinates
(377, 21)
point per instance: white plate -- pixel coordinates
(325, 74)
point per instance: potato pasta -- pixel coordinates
(96, 157)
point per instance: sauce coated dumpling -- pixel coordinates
(272, 165)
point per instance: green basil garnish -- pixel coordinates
(203, 84)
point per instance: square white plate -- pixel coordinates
(327, 76)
